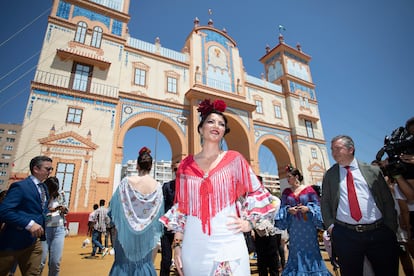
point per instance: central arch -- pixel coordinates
(279, 150)
(175, 134)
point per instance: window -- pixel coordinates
(313, 153)
(74, 115)
(65, 173)
(81, 32)
(81, 76)
(309, 129)
(3, 173)
(1, 181)
(10, 140)
(6, 156)
(171, 82)
(1, 130)
(259, 106)
(139, 74)
(12, 132)
(140, 77)
(96, 37)
(8, 148)
(4, 165)
(171, 85)
(278, 111)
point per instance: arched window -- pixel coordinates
(81, 32)
(96, 37)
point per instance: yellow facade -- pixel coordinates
(87, 95)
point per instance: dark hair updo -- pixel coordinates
(207, 107)
(295, 172)
(144, 160)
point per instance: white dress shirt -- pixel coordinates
(369, 209)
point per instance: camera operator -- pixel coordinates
(402, 207)
(400, 162)
(400, 166)
(405, 179)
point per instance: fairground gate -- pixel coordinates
(94, 83)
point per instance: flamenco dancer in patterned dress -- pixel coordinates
(218, 197)
(300, 214)
(135, 209)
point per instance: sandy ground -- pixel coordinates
(74, 262)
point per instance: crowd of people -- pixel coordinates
(200, 220)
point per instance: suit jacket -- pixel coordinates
(168, 191)
(377, 185)
(21, 205)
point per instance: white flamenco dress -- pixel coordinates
(202, 209)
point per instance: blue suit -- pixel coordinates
(22, 204)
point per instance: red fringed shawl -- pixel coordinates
(204, 195)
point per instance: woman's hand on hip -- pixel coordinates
(238, 224)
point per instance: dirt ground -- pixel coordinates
(74, 262)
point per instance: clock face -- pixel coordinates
(217, 57)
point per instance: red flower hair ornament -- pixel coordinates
(144, 150)
(206, 107)
(289, 168)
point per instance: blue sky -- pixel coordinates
(362, 58)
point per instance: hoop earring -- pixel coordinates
(221, 143)
(201, 140)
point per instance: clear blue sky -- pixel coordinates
(362, 56)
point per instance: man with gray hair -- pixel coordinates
(358, 209)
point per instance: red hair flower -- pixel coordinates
(219, 105)
(206, 107)
(289, 168)
(144, 150)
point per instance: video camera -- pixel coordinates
(400, 142)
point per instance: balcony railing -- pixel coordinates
(64, 82)
(152, 48)
(264, 83)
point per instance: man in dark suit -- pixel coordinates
(23, 211)
(365, 226)
(168, 190)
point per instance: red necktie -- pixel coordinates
(352, 197)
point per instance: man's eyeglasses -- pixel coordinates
(49, 169)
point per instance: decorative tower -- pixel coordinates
(289, 67)
(71, 112)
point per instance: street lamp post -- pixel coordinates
(323, 158)
(155, 148)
